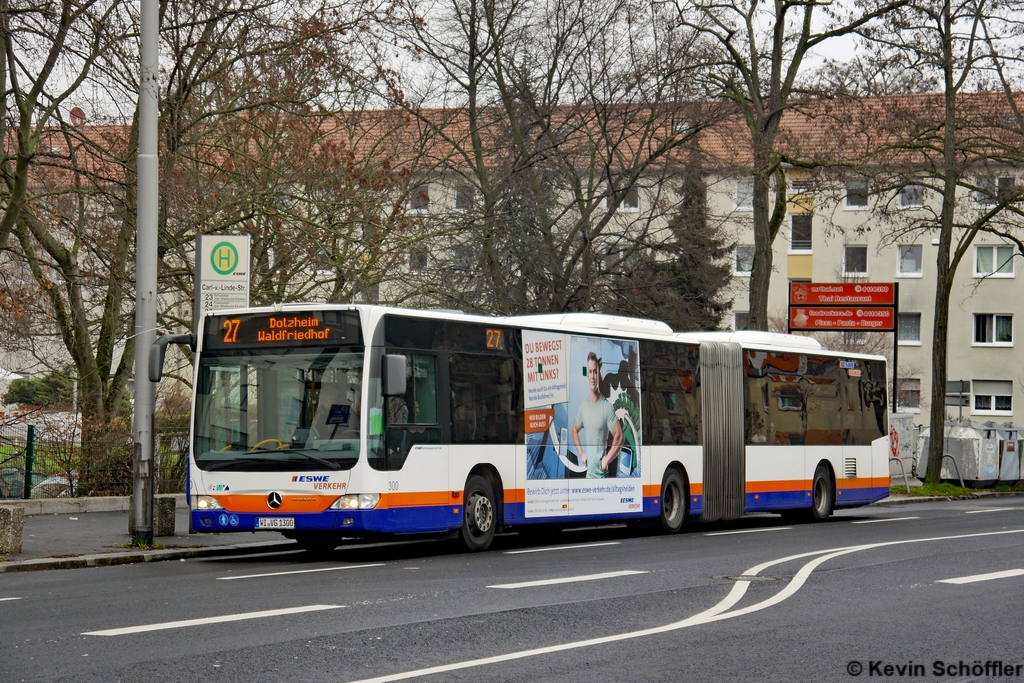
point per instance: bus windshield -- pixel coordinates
(273, 409)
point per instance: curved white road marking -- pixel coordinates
(716, 613)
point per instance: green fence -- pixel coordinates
(63, 464)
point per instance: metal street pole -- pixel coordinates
(145, 273)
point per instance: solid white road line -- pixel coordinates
(568, 579)
(887, 519)
(210, 620)
(297, 571)
(717, 613)
(749, 531)
(985, 577)
(975, 512)
(6, 599)
(560, 547)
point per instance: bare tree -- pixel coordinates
(758, 53)
(933, 158)
(555, 129)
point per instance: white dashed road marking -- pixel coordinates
(749, 531)
(210, 620)
(560, 547)
(297, 571)
(568, 579)
(985, 577)
(887, 519)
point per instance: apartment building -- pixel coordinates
(833, 232)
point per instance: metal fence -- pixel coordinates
(62, 464)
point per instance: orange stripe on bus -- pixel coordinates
(515, 495)
(419, 499)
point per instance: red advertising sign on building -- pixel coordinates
(842, 318)
(842, 294)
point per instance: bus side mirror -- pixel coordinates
(392, 375)
(159, 350)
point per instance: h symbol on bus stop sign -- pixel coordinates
(224, 258)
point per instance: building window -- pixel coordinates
(464, 197)
(909, 329)
(996, 261)
(856, 193)
(419, 199)
(417, 259)
(992, 397)
(910, 260)
(996, 330)
(855, 261)
(912, 196)
(854, 337)
(908, 396)
(631, 202)
(745, 194)
(743, 261)
(800, 233)
(740, 319)
(992, 190)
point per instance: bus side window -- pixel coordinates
(412, 418)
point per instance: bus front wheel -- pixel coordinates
(480, 519)
(673, 502)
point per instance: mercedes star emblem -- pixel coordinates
(274, 500)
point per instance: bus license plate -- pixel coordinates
(275, 522)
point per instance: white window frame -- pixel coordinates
(909, 191)
(993, 317)
(904, 408)
(410, 207)
(624, 206)
(847, 206)
(800, 251)
(470, 192)
(735, 261)
(991, 410)
(736, 194)
(867, 264)
(995, 266)
(989, 191)
(899, 261)
(908, 342)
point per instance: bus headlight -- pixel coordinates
(205, 503)
(361, 501)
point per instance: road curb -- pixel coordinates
(133, 557)
(910, 500)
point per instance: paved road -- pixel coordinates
(869, 586)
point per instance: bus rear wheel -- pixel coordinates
(480, 519)
(673, 502)
(822, 494)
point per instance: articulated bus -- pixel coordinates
(326, 422)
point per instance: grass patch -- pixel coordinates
(141, 546)
(1006, 488)
(940, 489)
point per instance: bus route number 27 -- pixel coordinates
(494, 339)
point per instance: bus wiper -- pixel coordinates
(320, 461)
(225, 464)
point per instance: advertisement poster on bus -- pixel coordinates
(583, 426)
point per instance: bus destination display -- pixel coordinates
(320, 328)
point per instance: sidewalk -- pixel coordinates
(59, 535)
(71, 539)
